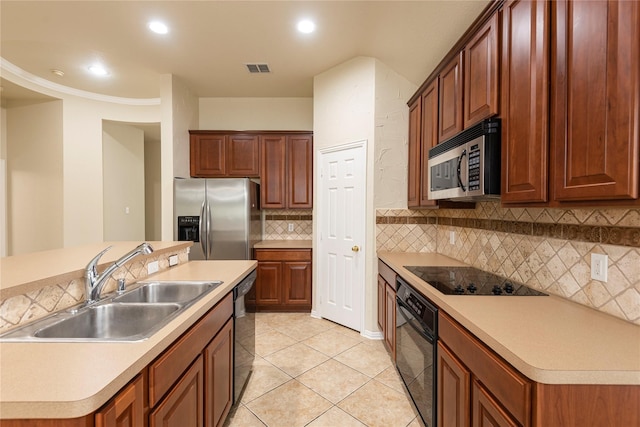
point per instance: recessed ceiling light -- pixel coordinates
(98, 70)
(306, 26)
(158, 27)
(58, 73)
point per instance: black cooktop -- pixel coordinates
(470, 281)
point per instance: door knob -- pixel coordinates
(355, 249)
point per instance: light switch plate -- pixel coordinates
(173, 260)
(152, 267)
(452, 237)
(290, 227)
(599, 267)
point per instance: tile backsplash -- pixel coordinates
(545, 248)
(276, 224)
(56, 296)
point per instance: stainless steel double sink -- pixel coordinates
(132, 316)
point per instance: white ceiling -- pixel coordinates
(210, 41)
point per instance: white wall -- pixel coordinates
(3, 182)
(344, 103)
(179, 115)
(34, 177)
(123, 182)
(391, 137)
(152, 190)
(363, 99)
(256, 113)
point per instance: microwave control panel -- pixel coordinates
(474, 167)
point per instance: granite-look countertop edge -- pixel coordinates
(284, 244)
(547, 338)
(70, 380)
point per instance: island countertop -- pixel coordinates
(69, 380)
(549, 339)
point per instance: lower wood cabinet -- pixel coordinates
(218, 371)
(475, 386)
(126, 409)
(387, 306)
(284, 280)
(183, 405)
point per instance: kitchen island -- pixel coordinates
(69, 380)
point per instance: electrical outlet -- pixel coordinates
(152, 267)
(290, 227)
(173, 260)
(599, 267)
(452, 237)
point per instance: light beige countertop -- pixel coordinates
(549, 339)
(24, 273)
(68, 380)
(283, 244)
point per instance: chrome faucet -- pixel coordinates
(94, 283)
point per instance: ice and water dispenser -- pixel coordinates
(188, 228)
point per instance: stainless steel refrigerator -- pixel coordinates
(220, 215)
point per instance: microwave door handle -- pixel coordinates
(464, 153)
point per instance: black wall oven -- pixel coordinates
(416, 340)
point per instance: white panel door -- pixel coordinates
(341, 252)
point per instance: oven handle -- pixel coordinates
(464, 153)
(424, 333)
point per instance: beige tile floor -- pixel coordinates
(312, 372)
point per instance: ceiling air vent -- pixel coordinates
(258, 68)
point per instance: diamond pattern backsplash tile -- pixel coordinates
(508, 242)
(276, 224)
(21, 309)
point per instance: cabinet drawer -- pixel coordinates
(283, 254)
(166, 370)
(510, 388)
(387, 273)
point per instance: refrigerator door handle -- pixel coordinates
(203, 230)
(209, 228)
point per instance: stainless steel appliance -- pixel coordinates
(416, 340)
(244, 345)
(467, 166)
(470, 281)
(220, 215)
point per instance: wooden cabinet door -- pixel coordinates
(297, 283)
(269, 283)
(126, 409)
(481, 60)
(596, 99)
(454, 390)
(183, 404)
(300, 172)
(273, 182)
(486, 411)
(450, 101)
(429, 139)
(243, 155)
(381, 300)
(218, 372)
(390, 319)
(525, 101)
(413, 158)
(207, 155)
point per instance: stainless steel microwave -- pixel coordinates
(467, 166)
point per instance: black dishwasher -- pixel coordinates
(244, 344)
(416, 338)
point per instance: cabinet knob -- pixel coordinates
(355, 249)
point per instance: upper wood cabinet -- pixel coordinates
(414, 157)
(525, 101)
(450, 99)
(429, 132)
(481, 66)
(222, 154)
(287, 165)
(595, 127)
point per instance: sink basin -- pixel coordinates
(166, 292)
(132, 316)
(111, 321)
